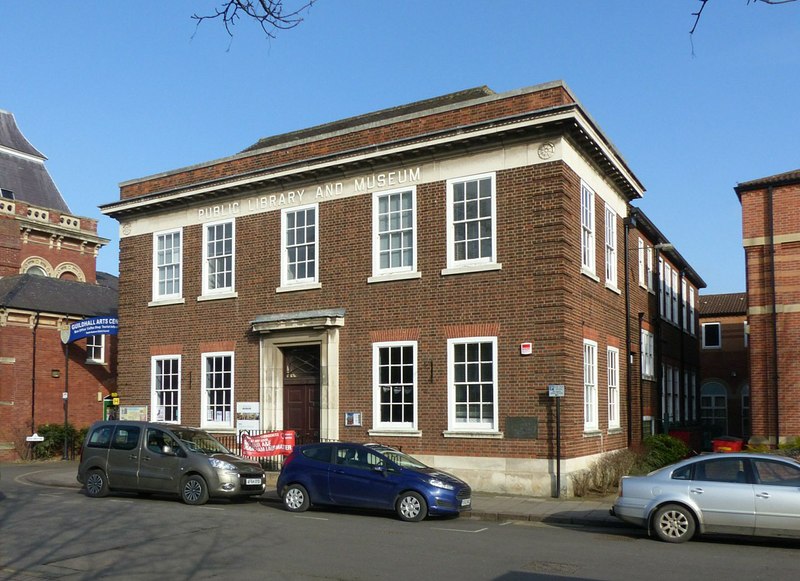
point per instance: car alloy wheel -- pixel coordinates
(96, 484)
(194, 490)
(674, 523)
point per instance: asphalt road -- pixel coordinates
(57, 533)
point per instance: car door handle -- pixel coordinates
(696, 490)
(762, 494)
(132, 457)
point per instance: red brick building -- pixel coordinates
(419, 276)
(725, 370)
(48, 280)
(771, 236)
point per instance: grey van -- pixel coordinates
(164, 458)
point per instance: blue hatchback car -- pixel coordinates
(369, 476)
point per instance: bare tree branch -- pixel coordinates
(704, 2)
(271, 15)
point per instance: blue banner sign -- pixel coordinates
(88, 327)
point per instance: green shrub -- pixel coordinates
(661, 450)
(53, 444)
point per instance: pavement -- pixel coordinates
(587, 511)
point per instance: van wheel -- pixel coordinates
(295, 498)
(96, 484)
(411, 507)
(194, 490)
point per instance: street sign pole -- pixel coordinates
(557, 392)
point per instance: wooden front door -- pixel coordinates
(301, 392)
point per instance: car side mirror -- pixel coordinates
(380, 468)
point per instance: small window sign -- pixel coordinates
(352, 418)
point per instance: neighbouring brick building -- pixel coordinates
(419, 276)
(724, 369)
(771, 237)
(48, 280)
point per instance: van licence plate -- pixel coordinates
(252, 481)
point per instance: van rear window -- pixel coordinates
(100, 437)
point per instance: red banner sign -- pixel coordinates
(278, 443)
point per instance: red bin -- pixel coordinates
(727, 444)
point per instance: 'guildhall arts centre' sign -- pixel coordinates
(89, 327)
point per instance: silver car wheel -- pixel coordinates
(674, 524)
(295, 498)
(412, 507)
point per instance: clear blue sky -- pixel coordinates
(112, 91)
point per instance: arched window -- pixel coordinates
(36, 271)
(714, 407)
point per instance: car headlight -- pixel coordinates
(440, 484)
(221, 464)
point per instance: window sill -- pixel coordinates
(218, 297)
(299, 287)
(614, 431)
(473, 434)
(387, 433)
(613, 288)
(592, 433)
(165, 302)
(589, 274)
(218, 429)
(394, 276)
(95, 362)
(470, 268)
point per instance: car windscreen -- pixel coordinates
(199, 441)
(399, 458)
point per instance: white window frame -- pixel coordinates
(455, 266)
(227, 420)
(379, 386)
(311, 280)
(612, 358)
(92, 348)
(158, 269)
(155, 416)
(455, 425)
(588, 262)
(666, 284)
(650, 269)
(402, 271)
(691, 311)
(642, 270)
(684, 304)
(611, 247)
(223, 291)
(704, 341)
(666, 393)
(590, 420)
(647, 354)
(674, 297)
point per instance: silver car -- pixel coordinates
(749, 494)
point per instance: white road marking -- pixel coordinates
(461, 530)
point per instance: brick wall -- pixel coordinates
(757, 224)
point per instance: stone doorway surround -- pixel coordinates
(279, 330)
